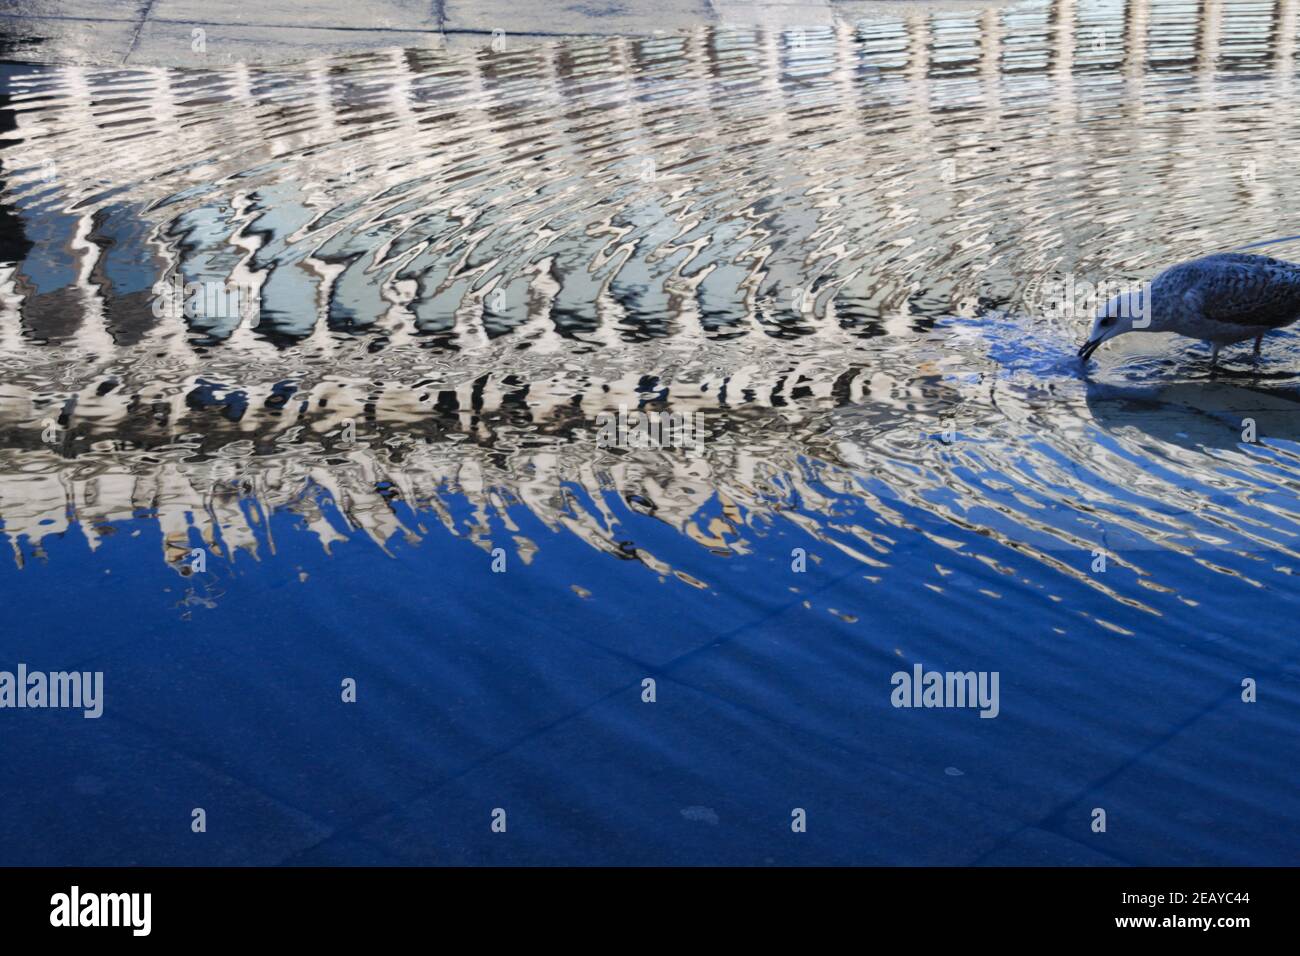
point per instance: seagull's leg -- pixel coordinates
(1259, 341)
(1214, 355)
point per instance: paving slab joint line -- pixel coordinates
(1046, 822)
(139, 28)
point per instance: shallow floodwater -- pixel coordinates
(378, 454)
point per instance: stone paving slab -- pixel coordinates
(81, 42)
(115, 778)
(133, 10)
(367, 15)
(744, 13)
(1201, 797)
(716, 784)
(572, 17)
(150, 32)
(172, 44)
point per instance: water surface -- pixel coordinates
(835, 247)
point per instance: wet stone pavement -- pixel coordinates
(207, 33)
(829, 242)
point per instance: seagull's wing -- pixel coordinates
(1240, 290)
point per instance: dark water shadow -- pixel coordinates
(1199, 414)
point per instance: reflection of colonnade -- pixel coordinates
(780, 159)
(111, 463)
(248, 177)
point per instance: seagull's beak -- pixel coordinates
(1086, 350)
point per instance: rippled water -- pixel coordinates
(833, 245)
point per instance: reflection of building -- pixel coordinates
(472, 451)
(715, 177)
(477, 253)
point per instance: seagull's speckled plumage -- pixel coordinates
(1228, 297)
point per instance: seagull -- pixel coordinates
(1227, 297)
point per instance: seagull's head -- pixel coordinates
(1114, 318)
